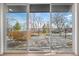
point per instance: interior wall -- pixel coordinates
(0, 28)
(1, 21)
(77, 28)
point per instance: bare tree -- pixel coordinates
(36, 22)
(58, 20)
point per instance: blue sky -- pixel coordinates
(68, 18)
(13, 17)
(44, 16)
(21, 17)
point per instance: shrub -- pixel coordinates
(19, 35)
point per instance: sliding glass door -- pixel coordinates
(16, 37)
(39, 27)
(61, 27)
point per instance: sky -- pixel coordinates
(68, 18)
(17, 17)
(22, 18)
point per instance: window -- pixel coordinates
(16, 27)
(39, 26)
(61, 27)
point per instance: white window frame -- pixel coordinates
(75, 29)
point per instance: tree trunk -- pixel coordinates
(65, 33)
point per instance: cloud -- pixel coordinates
(68, 16)
(54, 26)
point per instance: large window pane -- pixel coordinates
(16, 28)
(39, 26)
(61, 28)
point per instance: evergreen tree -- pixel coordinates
(45, 29)
(17, 26)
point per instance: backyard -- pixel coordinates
(41, 34)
